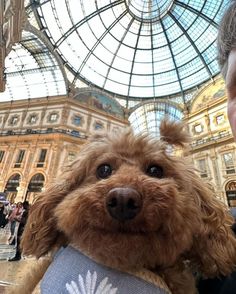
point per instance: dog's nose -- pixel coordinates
(123, 203)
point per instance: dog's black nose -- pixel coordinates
(123, 203)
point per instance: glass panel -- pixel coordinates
(32, 71)
(148, 116)
(147, 39)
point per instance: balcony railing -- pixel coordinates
(211, 139)
(24, 132)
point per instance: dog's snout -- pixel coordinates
(123, 203)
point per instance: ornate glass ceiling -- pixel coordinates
(32, 71)
(148, 116)
(134, 48)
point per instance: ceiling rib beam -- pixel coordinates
(192, 43)
(86, 19)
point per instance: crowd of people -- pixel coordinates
(14, 216)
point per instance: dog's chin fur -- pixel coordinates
(179, 217)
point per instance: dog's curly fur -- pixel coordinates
(180, 219)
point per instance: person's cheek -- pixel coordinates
(232, 115)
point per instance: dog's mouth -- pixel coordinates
(125, 230)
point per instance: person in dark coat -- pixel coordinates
(2, 215)
(20, 231)
(221, 285)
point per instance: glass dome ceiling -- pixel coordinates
(149, 116)
(32, 71)
(134, 48)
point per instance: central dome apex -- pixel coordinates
(148, 10)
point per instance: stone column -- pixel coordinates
(8, 162)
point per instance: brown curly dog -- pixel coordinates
(130, 205)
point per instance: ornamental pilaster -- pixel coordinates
(8, 163)
(89, 119)
(65, 115)
(55, 161)
(207, 122)
(30, 163)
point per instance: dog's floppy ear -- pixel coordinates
(174, 133)
(41, 234)
(214, 243)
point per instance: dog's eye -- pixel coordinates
(104, 171)
(155, 171)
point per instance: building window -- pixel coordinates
(220, 119)
(32, 119)
(19, 158)
(36, 184)
(198, 128)
(42, 157)
(13, 120)
(77, 120)
(202, 165)
(2, 152)
(231, 193)
(13, 183)
(98, 126)
(53, 117)
(228, 160)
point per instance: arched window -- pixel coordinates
(35, 186)
(11, 187)
(13, 183)
(231, 193)
(36, 183)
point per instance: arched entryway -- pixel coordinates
(230, 190)
(35, 186)
(11, 187)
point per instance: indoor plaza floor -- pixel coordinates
(10, 272)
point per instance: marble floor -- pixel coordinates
(10, 272)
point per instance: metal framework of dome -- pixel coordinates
(149, 116)
(32, 71)
(134, 48)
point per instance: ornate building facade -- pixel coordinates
(40, 136)
(213, 150)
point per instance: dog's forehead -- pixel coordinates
(127, 143)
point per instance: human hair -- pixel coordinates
(26, 204)
(226, 40)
